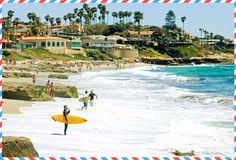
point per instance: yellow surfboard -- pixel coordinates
(71, 119)
(84, 99)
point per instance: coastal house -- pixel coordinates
(66, 29)
(209, 41)
(147, 34)
(102, 42)
(139, 39)
(53, 44)
(21, 28)
(114, 45)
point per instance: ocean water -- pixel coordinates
(149, 111)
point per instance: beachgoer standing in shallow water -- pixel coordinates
(66, 112)
(48, 87)
(34, 78)
(86, 98)
(92, 97)
(52, 90)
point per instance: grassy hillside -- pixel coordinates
(97, 55)
(81, 57)
(149, 52)
(185, 51)
(12, 55)
(45, 54)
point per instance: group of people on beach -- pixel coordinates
(86, 99)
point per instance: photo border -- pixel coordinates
(130, 157)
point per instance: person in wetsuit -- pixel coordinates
(92, 97)
(66, 111)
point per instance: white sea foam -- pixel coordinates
(131, 117)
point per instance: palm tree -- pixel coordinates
(126, 15)
(29, 15)
(206, 35)
(211, 36)
(183, 19)
(94, 15)
(33, 16)
(99, 19)
(37, 20)
(103, 12)
(138, 16)
(80, 14)
(5, 25)
(37, 24)
(129, 15)
(95, 18)
(85, 6)
(114, 15)
(201, 30)
(120, 15)
(76, 10)
(73, 21)
(70, 17)
(15, 23)
(107, 13)
(10, 14)
(47, 18)
(58, 21)
(51, 21)
(78, 20)
(65, 18)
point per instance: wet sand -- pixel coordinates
(11, 106)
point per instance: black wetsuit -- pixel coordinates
(65, 113)
(91, 95)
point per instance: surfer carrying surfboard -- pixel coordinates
(66, 111)
(85, 100)
(92, 97)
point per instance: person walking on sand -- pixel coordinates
(34, 78)
(92, 97)
(86, 98)
(48, 87)
(66, 112)
(52, 90)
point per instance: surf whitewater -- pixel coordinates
(148, 110)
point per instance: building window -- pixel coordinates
(58, 44)
(49, 44)
(53, 44)
(43, 44)
(62, 44)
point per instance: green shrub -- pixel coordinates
(67, 92)
(58, 76)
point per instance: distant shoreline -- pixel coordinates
(12, 106)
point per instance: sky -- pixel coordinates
(215, 18)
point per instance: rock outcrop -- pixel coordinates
(178, 153)
(16, 75)
(18, 147)
(28, 92)
(176, 61)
